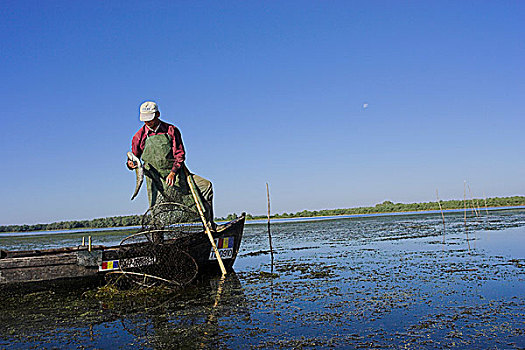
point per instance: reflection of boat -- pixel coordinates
(82, 264)
(189, 318)
(195, 324)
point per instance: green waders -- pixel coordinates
(158, 162)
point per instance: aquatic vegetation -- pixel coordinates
(357, 283)
(111, 292)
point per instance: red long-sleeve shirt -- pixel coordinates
(139, 140)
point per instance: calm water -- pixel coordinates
(378, 282)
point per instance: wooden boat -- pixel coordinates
(89, 265)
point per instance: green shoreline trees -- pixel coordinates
(390, 207)
(385, 207)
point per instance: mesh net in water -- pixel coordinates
(158, 253)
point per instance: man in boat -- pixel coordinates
(160, 146)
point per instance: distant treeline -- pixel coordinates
(115, 221)
(385, 207)
(390, 207)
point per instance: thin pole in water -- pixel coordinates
(465, 211)
(478, 206)
(269, 232)
(486, 210)
(442, 215)
(473, 202)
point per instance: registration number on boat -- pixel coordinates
(225, 247)
(139, 261)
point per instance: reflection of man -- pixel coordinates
(160, 146)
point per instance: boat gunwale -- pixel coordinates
(11, 254)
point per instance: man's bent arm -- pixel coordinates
(136, 142)
(179, 154)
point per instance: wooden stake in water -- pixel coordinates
(478, 206)
(269, 232)
(89, 243)
(486, 210)
(473, 204)
(465, 205)
(442, 215)
(465, 200)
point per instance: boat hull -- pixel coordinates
(84, 266)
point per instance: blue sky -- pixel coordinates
(262, 91)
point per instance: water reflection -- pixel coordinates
(188, 319)
(377, 282)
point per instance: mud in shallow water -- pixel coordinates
(385, 282)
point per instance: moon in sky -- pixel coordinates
(365, 105)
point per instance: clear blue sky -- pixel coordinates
(262, 91)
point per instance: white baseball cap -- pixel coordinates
(148, 110)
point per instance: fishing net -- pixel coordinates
(158, 255)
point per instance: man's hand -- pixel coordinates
(131, 164)
(170, 180)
